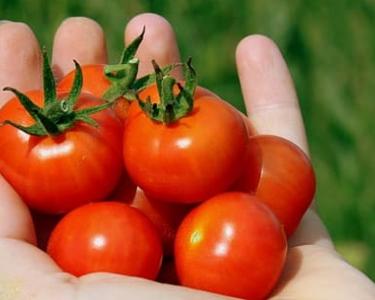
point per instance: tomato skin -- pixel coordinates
(56, 174)
(190, 160)
(106, 237)
(286, 181)
(231, 244)
(94, 83)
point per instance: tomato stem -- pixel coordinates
(171, 107)
(123, 76)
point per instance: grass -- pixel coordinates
(330, 49)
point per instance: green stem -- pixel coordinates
(171, 107)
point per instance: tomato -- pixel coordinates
(165, 216)
(56, 173)
(286, 181)
(231, 244)
(189, 160)
(95, 83)
(106, 237)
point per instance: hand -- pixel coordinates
(313, 270)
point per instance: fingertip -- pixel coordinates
(159, 41)
(154, 24)
(263, 69)
(19, 55)
(81, 39)
(257, 50)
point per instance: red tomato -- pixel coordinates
(106, 237)
(94, 83)
(165, 216)
(191, 159)
(231, 244)
(54, 174)
(286, 181)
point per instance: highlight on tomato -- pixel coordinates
(183, 147)
(59, 150)
(231, 244)
(285, 180)
(106, 237)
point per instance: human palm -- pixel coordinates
(313, 269)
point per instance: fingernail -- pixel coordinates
(3, 22)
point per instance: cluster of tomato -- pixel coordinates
(175, 185)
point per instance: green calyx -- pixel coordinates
(171, 107)
(57, 115)
(123, 76)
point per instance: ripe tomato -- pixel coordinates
(231, 244)
(189, 160)
(54, 174)
(286, 181)
(106, 237)
(165, 216)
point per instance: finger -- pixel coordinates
(81, 39)
(159, 42)
(268, 90)
(20, 59)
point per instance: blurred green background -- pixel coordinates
(330, 49)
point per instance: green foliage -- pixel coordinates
(330, 49)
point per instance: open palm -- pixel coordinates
(313, 270)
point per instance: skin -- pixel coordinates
(313, 270)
